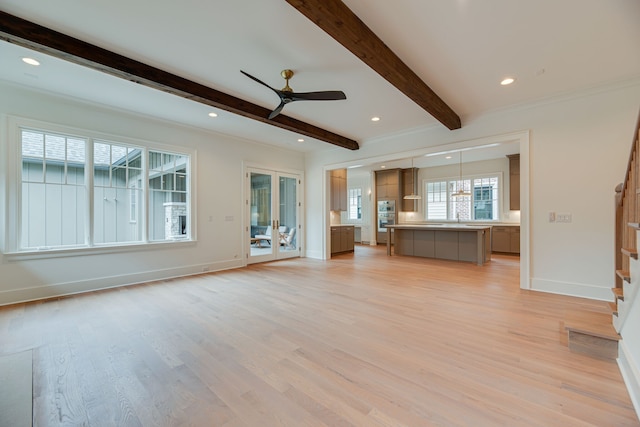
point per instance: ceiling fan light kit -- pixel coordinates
(287, 95)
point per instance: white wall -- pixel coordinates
(218, 190)
(577, 154)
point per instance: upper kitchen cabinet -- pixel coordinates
(409, 177)
(339, 190)
(514, 182)
(388, 184)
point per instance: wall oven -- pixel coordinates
(386, 213)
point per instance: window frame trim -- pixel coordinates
(13, 196)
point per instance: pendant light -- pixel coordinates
(413, 195)
(461, 191)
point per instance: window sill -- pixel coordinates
(96, 250)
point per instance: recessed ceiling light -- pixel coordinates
(448, 157)
(382, 167)
(375, 119)
(30, 61)
(212, 114)
(507, 81)
(300, 140)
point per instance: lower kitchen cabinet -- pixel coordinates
(505, 239)
(342, 238)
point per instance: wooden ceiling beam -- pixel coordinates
(33, 36)
(337, 20)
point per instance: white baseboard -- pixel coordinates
(314, 254)
(630, 373)
(572, 289)
(52, 290)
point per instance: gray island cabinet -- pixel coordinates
(456, 242)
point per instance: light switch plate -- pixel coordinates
(563, 217)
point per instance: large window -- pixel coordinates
(479, 201)
(355, 203)
(63, 207)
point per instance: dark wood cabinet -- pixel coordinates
(514, 182)
(388, 185)
(342, 239)
(339, 197)
(505, 239)
(409, 186)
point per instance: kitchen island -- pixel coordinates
(457, 242)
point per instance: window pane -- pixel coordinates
(32, 144)
(101, 154)
(54, 209)
(55, 172)
(115, 220)
(135, 178)
(32, 156)
(485, 198)
(155, 183)
(168, 162)
(436, 200)
(355, 203)
(101, 177)
(55, 147)
(76, 149)
(168, 209)
(135, 158)
(118, 177)
(168, 182)
(181, 182)
(118, 155)
(155, 161)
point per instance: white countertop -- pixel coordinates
(453, 226)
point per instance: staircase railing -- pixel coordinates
(628, 212)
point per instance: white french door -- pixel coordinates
(273, 215)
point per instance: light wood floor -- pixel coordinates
(361, 340)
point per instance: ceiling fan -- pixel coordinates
(287, 95)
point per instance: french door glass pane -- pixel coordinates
(262, 233)
(288, 213)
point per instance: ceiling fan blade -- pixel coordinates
(277, 110)
(260, 81)
(327, 95)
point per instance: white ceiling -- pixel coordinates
(460, 48)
